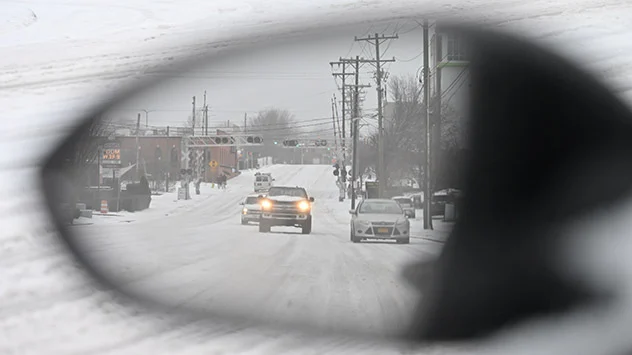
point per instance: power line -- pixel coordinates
(376, 41)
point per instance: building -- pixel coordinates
(449, 59)
(161, 158)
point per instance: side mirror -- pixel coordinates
(241, 203)
(311, 199)
(273, 179)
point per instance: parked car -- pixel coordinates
(440, 198)
(406, 203)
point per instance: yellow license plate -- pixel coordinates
(382, 230)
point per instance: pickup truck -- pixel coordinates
(286, 206)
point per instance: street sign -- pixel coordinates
(213, 164)
(108, 172)
(111, 155)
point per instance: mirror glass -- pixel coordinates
(163, 172)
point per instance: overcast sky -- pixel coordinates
(295, 75)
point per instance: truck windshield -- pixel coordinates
(287, 191)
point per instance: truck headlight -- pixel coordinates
(265, 205)
(244, 211)
(303, 206)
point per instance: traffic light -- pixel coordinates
(320, 143)
(255, 139)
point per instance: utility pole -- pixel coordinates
(356, 117)
(138, 147)
(205, 115)
(337, 121)
(193, 117)
(437, 117)
(343, 74)
(427, 160)
(376, 41)
(333, 118)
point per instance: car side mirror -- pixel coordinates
(241, 203)
(311, 199)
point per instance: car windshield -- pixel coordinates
(262, 178)
(287, 191)
(404, 202)
(251, 200)
(382, 207)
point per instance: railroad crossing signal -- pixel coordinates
(213, 164)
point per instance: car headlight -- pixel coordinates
(304, 206)
(402, 223)
(244, 211)
(265, 205)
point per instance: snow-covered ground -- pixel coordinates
(60, 57)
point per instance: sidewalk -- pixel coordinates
(439, 234)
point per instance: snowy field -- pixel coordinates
(60, 57)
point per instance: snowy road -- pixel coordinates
(205, 259)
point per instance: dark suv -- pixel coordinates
(286, 206)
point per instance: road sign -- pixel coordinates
(213, 164)
(111, 155)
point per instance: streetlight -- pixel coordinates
(147, 117)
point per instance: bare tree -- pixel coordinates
(274, 125)
(404, 128)
(85, 147)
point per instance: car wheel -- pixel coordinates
(307, 226)
(264, 227)
(353, 237)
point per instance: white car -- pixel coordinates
(379, 219)
(251, 210)
(407, 205)
(263, 182)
